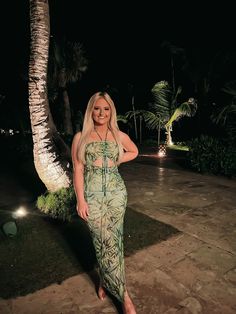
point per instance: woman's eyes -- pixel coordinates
(97, 108)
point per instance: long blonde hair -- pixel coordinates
(88, 125)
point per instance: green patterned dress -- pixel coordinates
(106, 195)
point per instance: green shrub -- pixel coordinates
(213, 155)
(59, 205)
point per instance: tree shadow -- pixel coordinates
(78, 237)
(47, 251)
(140, 231)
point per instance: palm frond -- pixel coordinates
(122, 118)
(224, 114)
(152, 120)
(187, 108)
(175, 116)
(230, 88)
(130, 114)
(161, 93)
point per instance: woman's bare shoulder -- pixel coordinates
(123, 135)
(77, 137)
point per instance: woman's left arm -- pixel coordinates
(130, 149)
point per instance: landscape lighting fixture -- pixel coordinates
(161, 151)
(20, 212)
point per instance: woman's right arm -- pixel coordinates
(78, 179)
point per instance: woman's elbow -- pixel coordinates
(136, 152)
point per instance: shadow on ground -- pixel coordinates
(47, 251)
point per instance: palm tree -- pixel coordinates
(67, 63)
(166, 109)
(134, 114)
(51, 154)
(131, 93)
(126, 119)
(174, 52)
(187, 108)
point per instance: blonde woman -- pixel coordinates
(101, 194)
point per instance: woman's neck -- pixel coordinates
(101, 128)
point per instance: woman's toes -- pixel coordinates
(101, 293)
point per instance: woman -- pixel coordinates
(101, 194)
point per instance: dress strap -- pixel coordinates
(100, 135)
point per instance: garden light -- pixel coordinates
(161, 151)
(161, 154)
(20, 212)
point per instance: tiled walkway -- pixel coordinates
(193, 271)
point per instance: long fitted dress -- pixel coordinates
(106, 195)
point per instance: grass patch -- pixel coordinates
(178, 147)
(46, 251)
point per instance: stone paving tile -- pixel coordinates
(220, 291)
(53, 298)
(184, 242)
(195, 277)
(215, 258)
(192, 272)
(192, 305)
(231, 276)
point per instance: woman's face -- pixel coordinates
(101, 113)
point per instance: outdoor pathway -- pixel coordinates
(193, 271)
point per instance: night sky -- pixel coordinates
(121, 41)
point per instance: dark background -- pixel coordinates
(121, 42)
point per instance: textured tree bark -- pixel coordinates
(51, 154)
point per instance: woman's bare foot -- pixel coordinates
(101, 293)
(128, 306)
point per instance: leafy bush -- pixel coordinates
(213, 155)
(59, 205)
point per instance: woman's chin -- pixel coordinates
(100, 122)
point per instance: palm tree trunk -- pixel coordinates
(173, 74)
(51, 168)
(168, 136)
(135, 122)
(68, 128)
(140, 129)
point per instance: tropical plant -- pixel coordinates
(51, 154)
(174, 53)
(226, 115)
(67, 63)
(123, 119)
(166, 109)
(213, 155)
(187, 109)
(59, 205)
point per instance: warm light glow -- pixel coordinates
(20, 212)
(161, 153)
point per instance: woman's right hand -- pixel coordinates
(82, 210)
